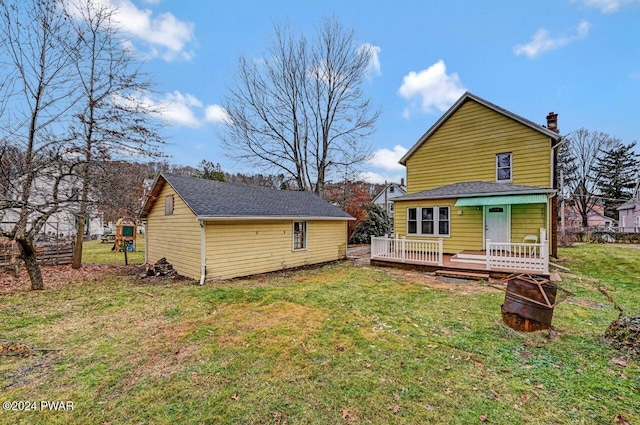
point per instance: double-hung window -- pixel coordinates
(504, 167)
(299, 235)
(428, 221)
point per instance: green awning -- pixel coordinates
(502, 200)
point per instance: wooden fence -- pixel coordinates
(50, 253)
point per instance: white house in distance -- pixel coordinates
(385, 198)
(630, 212)
(62, 224)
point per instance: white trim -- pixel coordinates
(436, 221)
(510, 179)
(267, 218)
(305, 232)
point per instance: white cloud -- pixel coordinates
(371, 177)
(433, 86)
(373, 70)
(216, 114)
(542, 41)
(388, 159)
(164, 34)
(608, 6)
(177, 109)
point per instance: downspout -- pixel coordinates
(146, 243)
(203, 253)
(552, 209)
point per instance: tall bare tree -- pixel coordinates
(110, 122)
(35, 53)
(584, 148)
(302, 110)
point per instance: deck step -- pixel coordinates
(463, 275)
(456, 259)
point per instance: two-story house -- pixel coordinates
(386, 196)
(480, 190)
(629, 213)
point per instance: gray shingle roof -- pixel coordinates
(213, 199)
(475, 188)
(627, 205)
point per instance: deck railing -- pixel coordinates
(403, 250)
(531, 257)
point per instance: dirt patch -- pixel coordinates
(59, 276)
(624, 334)
(461, 286)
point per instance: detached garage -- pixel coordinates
(210, 229)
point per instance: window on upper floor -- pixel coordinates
(504, 167)
(168, 205)
(391, 189)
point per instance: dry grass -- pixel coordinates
(338, 344)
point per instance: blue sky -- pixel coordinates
(579, 58)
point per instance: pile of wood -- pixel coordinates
(161, 268)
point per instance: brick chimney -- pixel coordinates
(552, 122)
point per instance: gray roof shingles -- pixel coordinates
(209, 198)
(475, 188)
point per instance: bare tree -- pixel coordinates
(584, 148)
(302, 111)
(110, 122)
(35, 48)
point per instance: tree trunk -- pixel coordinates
(28, 255)
(76, 262)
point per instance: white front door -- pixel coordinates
(496, 223)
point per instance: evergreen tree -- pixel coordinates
(210, 171)
(377, 223)
(618, 169)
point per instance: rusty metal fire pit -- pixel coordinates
(529, 302)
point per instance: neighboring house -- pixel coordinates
(385, 197)
(63, 223)
(481, 175)
(595, 217)
(629, 212)
(211, 229)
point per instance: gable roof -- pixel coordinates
(381, 193)
(473, 189)
(471, 97)
(211, 200)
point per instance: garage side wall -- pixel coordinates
(245, 248)
(175, 237)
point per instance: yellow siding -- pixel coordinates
(527, 220)
(176, 236)
(465, 229)
(465, 146)
(245, 248)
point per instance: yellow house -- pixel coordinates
(209, 229)
(481, 176)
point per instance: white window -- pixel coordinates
(428, 221)
(299, 235)
(503, 167)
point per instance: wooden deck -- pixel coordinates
(450, 263)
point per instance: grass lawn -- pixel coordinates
(95, 252)
(334, 345)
